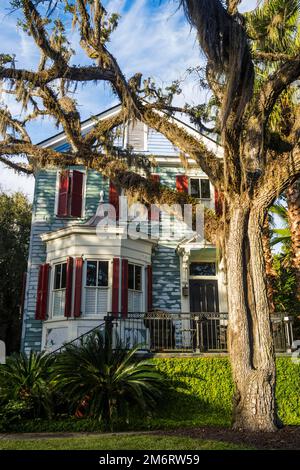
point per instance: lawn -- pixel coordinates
(129, 442)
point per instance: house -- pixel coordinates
(77, 276)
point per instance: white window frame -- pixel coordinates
(200, 178)
(53, 290)
(142, 277)
(103, 288)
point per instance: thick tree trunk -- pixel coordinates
(249, 333)
(270, 272)
(293, 202)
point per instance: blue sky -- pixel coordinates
(153, 38)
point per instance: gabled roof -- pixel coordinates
(59, 140)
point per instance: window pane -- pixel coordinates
(195, 190)
(63, 276)
(91, 273)
(202, 269)
(57, 276)
(130, 276)
(138, 278)
(205, 189)
(103, 274)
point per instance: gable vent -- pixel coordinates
(136, 135)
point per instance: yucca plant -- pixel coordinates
(103, 381)
(25, 379)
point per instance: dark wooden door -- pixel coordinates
(204, 298)
(204, 295)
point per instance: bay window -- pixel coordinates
(96, 287)
(59, 290)
(135, 290)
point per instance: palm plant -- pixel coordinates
(25, 380)
(103, 381)
(280, 235)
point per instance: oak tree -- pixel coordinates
(256, 167)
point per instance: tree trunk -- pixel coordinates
(249, 334)
(270, 272)
(293, 202)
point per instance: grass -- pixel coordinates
(118, 442)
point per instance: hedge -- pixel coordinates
(202, 395)
(204, 391)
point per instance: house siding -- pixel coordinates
(44, 220)
(165, 260)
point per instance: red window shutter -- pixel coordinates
(182, 183)
(124, 293)
(153, 214)
(115, 286)
(78, 287)
(218, 202)
(69, 286)
(63, 196)
(149, 288)
(114, 198)
(42, 293)
(76, 194)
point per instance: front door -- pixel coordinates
(204, 299)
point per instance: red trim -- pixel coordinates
(76, 195)
(182, 183)
(78, 287)
(124, 294)
(42, 293)
(63, 195)
(69, 287)
(149, 288)
(115, 286)
(114, 198)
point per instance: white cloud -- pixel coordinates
(152, 38)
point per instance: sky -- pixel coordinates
(153, 38)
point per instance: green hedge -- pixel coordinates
(204, 391)
(202, 395)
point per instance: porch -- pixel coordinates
(191, 333)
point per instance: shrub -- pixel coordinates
(104, 382)
(25, 380)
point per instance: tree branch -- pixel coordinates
(274, 86)
(280, 173)
(16, 166)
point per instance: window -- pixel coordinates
(96, 292)
(202, 269)
(60, 276)
(59, 290)
(97, 274)
(200, 188)
(70, 194)
(135, 294)
(134, 277)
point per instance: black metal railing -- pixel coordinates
(186, 332)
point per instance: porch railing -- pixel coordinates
(186, 332)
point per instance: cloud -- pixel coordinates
(153, 38)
